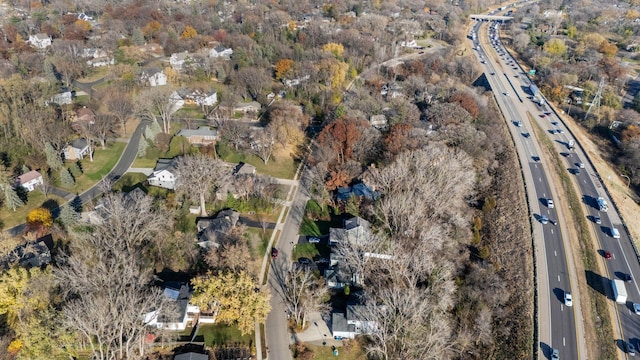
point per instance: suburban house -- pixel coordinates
(182, 97)
(357, 190)
(40, 41)
(32, 254)
(355, 229)
(83, 117)
(244, 169)
(203, 135)
(211, 229)
(253, 106)
(338, 275)
(350, 324)
(176, 317)
(296, 81)
(77, 149)
(63, 98)
(153, 77)
(30, 180)
(164, 174)
(378, 121)
(101, 61)
(220, 51)
(93, 53)
(177, 60)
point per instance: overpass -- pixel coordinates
(490, 17)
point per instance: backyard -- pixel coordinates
(281, 165)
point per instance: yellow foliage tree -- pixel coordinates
(151, 29)
(22, 292)
(283, 68)
(172, 75)
(40, 216)
(336, 72)
(292, 25)
(555, 47)
(189, 32)
(83, 24)
(234, 296)
(632, 14)
(608, 49)
(15, 346)
(336, 49)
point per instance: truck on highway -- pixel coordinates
(602, 204)
(619, 291)
(571, 145)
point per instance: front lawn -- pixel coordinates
(220, 335)
(10, 218)
(96, 170)
(305, 250)
(280, 166)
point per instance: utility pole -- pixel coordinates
(596, 100)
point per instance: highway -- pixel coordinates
(557, 322)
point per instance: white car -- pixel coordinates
(636, 308)
(550, 203)
(568, 299)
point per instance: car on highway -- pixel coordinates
(527, 135)
(636, 308)
(597, 220)
(274, 253)
(550, 203)
(506, 93)
(554, 123)
(519, 123)
(580, 165)
(629, 348)
(554, 222)
(544, 220)
(493, 73)
(607, 255)
(554, 354)
(568, 299)
(626, 277)
(314, 240)
(560, 131)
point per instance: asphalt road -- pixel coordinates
(557, 323)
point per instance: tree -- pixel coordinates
(40, 217)
(335, 49)
(142, 147)
(68, 216)
(253, 80)
(198, 175)
(22, 292)
(53, 157)
(555, 47)
(338, 138)
(11, 198)
(233, 132)
(103, 126)
(236, 298)
(263, 143)
(66, 178)
(188, 33)
(119, 104)
(287, 122)
(155, 103)
(284, 68)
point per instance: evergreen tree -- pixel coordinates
(66, 178)
(137, 37)
(11, 198)
(152, 130)
(68, 216)
(25, 169)
(53, 158)
(142, 147)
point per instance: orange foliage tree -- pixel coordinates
(39, 218)
(630, 133)
(467, 102)
(283, 68)
(189, 32)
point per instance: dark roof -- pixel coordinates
(180, 293)
(210, 228)
(191, 356)
(165, 164)
(243, 168)
(360, 190)
(32, 254)
(79, 143)
(339, 323)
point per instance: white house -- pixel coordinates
(101, 61)
(30, 180)
(63, 98)
(78, 149)
(182, 97)
(177, 60)
(220, 51)
(176, 99)
(158, 79)
(347, 326)
(164, 174)
(40, 41)
(93, 53)
(378, 121)
(175, 318)
(296, 81)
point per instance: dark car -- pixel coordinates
(274, 253)
(314, 240)
(554, 354)
(629, 348)
(597, 220)
(626, 277)
(607, 255)
(304, 261)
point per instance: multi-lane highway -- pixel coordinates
(557, 326)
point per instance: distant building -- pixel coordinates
(101, 61)
(63, 98)
(177, 60)
(220, 51)
(347, 326)
(378, 121)
(40, 41)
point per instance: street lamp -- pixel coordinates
(628, 179)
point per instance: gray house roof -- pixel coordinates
(210, 229)
(165, 164)
(339, 323)
(191, 356)
(79, 143)
(201, 131)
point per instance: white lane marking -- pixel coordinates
(544, 195)
(552, 231)
(558, 278)
(561, 307)
(585, 181)
(540, 179)
(555, 253)
(563, 341)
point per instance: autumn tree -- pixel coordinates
(336, 140)
(155, 103)
(23, 292)
(199, 175)
(263, 143)
(287, 122)
(234, 132)
(555, 47)
(253, 80)
(467, 102)
(39, 219)
(188, 33)
(335, 49)
(284, 68)
(236, 297)
(119, 104)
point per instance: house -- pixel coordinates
(211, 230)
(244, 169)
(77, 149)
(221, 51)
(83, 117)
(85, 17)
(191, 356)
(296, 81)
(253, 106)
(153, 77)
(378, 121)
(63, 98)
(164, 174)
(40, 41)
(355, 229)
(352, 323)
(339, 276)
(176, 317)
(410, 44)
(30, 180)
(204, 135)
(182, 97)
(101, 61)
(32, 254)
(93, 53)
(177, 60)
(358, 190)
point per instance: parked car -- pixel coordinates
(274, 253)
(636, 308)
(304, 261)
(314, 240)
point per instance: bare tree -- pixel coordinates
(119, 104)
(198, 175)
(102, 127)
(263, 143)
(156, 103)
(234, 132)
(253, 80)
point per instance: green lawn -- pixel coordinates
(144, 163)
(305, 250)
(279, 167)
(9, 218)
(92, 172)
(325, 352)
(217, 335)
